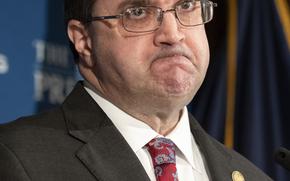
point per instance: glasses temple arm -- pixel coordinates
(98, 18)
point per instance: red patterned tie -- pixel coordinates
(162, 152)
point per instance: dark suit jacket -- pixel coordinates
(79, 142)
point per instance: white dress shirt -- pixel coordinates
(189, 160)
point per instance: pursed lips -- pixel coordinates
(173, 53)
(175, 59)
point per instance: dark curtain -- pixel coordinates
(261, 118)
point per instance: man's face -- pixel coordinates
(167, 64)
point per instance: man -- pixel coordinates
(142, 63)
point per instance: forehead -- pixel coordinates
(120, 4)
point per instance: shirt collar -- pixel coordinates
(135, 132)
(182, 137)
(138, 133)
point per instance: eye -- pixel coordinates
(136, 13)
(187, 5)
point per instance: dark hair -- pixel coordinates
(79, 10)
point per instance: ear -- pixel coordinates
(78, 35)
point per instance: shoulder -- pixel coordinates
(221, 160)
(37, 136)
(32, 128)
(37, 146)
(242, 164)
(50, 119)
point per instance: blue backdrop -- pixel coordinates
(36, 70)
(243, 102)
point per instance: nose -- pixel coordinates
(169, 32)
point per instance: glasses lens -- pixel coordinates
(141, 19)
(207, 13)
(192, 12)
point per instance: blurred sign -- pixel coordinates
(53, 75)
(4, 64)
(36, 66)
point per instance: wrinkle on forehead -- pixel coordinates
(116, 6)
(125, 3)
(147, 2)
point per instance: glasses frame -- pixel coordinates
(161, 13)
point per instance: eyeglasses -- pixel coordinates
(141, 19)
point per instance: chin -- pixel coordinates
(176, 85)
(179, 90)
(178, 98)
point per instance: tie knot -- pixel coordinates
(162, 151)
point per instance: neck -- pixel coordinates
(161, 115)
(160, 118)
(161, 123)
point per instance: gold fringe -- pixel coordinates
(284, 12)
(231, 72)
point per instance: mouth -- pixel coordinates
(169, 62)
(173, 59)
(173, 55)
(176, 58)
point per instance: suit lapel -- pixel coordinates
(217, 161)
(109, 157)
(105, 152)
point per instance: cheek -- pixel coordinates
(126, 59)
(133, 53)
(198, 43)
